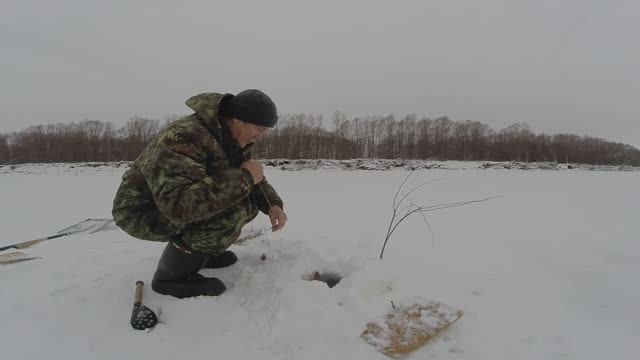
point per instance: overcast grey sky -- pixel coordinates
(559, 65)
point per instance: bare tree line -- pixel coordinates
(83, 141)
(303, 136)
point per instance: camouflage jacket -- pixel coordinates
(187, 184)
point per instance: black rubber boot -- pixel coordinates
(177, 274)
(225, 259)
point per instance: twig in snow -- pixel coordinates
(413, 209)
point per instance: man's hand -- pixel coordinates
(278, 218)
(255, 168)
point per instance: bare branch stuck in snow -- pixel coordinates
(400, 214)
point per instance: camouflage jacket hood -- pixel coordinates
(207, 106)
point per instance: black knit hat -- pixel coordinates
(252, 106)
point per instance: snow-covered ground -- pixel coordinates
(548, 271)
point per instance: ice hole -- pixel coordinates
(330, 278)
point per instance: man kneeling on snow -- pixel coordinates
(195, 187)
